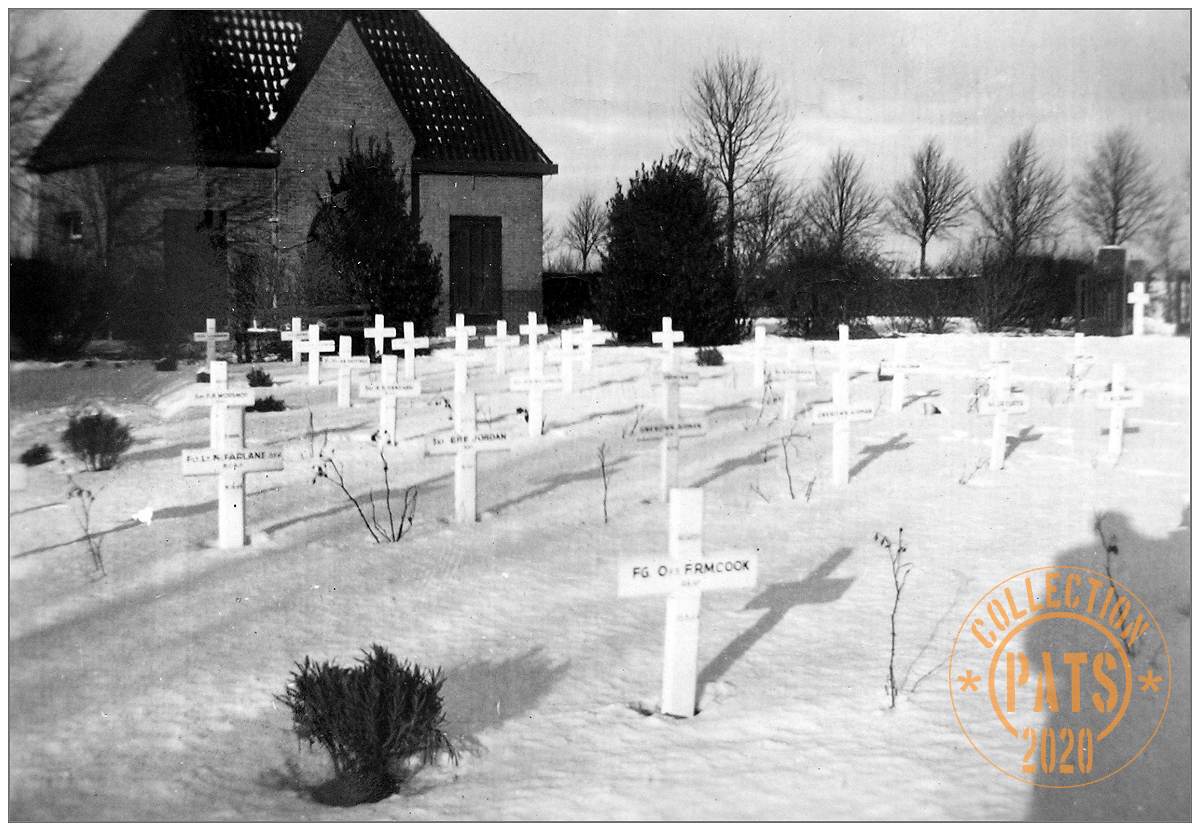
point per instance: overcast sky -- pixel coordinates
(602, 91)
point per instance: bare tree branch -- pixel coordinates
(932, 200)
(1118, 197)
(770, 216)
(1020, 206)
(585, 228)
(842, 211)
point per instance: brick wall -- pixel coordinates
(517, 200)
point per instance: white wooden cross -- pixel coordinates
(898, 368)
(230, 463)
(671, 429)
(1138, 299)
(296, 336)
(683, 576)
(409, 344)
(1117, 400)
(502, 340)
(999, 402)
(1080, 363)
(840, 413)
(531, 330)
(346, 361)
(791, 372)
(759, 364)
(219, 398)
(210, 337)
(536, 383)
(466, 443)
(387, 390)
(668, 338)
(314, 346)
(461, 333)
(379, 333)
(587, 338)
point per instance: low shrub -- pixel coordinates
(257, 377)
(39, 454)
(380, 721)
(97, 438)
(168, 364)
(709, 356)
(270, 404)
(203, 377)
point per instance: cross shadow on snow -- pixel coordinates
(778, 599)
(155, 454)
(1026, 436)
(1156, 786)
(913, 399)
(760, 456)
(556, 482)
(591, 417)
(483, 694)
(873, 451)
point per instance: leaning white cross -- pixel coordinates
(314, 346)
(840, 413)
(587, 338)
(898, 368)
(999, 402)
(230, 463)
(791, 372)
(466, 442)
(531, 330)
(671, 429)
(1138, 299)
(668, 338)
(461, 333)
(1080, 363)
(683, 575)
(387, 389)
(502, 340)
(409, 344)
(296, 336)
(346, 361)
(1117, 400)
(759, 363)
(379, 333)
(536, 383)
(210, 337)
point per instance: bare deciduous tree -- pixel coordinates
(1020, 206)
(1118, 197)
(931, 200)
(770, 216)
(585, 228)
(738, 128)
(842, 210)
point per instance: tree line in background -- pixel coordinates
(812, 253)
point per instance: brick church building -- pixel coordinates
(209, 134)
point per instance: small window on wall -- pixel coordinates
(70, 223)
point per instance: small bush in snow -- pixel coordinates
(380, 721)
(709, 356)
(97, 439)
(270, 404)
(39, 454)
(167, 364)
(257, 377)
(203, 377)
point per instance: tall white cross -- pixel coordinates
(314, 346)
(296, 336)
(230, 463)
(388, 389)
(1117, 400)
(536, 383)
(898, 368)
(1138, 299)
(461, 333)
(588, 338)
(759, 363)
(671, 429)
(466, 443)
(409, 344)
(210, 337)
(791, 372)
(502, 340)
(219, 398)
(683, 576)
(999, 402)
(840, 413)
(668, 338)
(346, 361)
(379, 333)
(531, 330)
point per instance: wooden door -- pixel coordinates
(475, 276)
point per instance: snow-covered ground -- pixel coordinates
(148, 694)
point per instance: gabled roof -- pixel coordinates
(217, 86)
